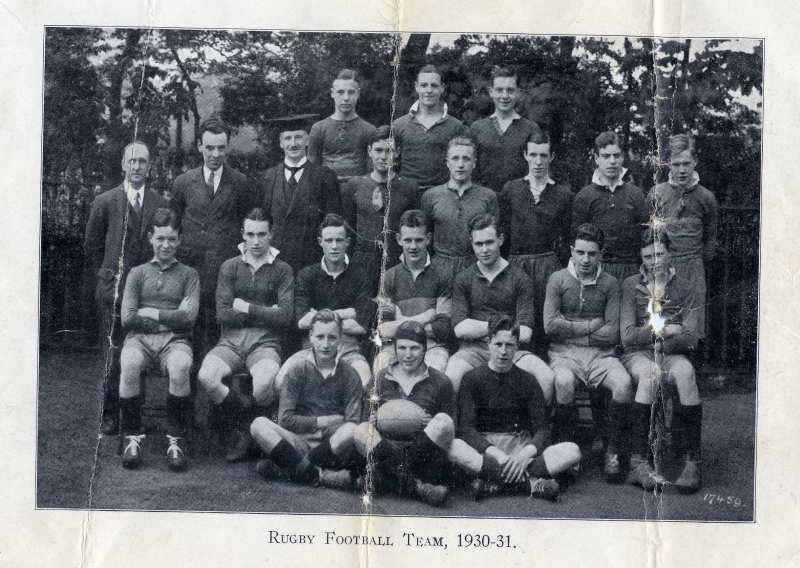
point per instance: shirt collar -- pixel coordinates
(646, 276)
(217, 173)
(132, 192)
(299, 164)
(597, 179)
(427, 261)
(309, 356)
(325, 267)
(269, 258)
(692, 183)
(392, 366)
(514, 116)
(534, 188)
(453, 189)
(574, 273)
(158, 263)
(503, 265)
(415, 109)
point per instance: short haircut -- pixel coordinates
(539, 137)
(413, 218)
(606, 138)
(483, 221)
(164, 217)
(381, 133)
(332, 220)
(652, 236)
(680, 143)
(348, 75)
(258, 214)
(325, 315)
(463, 141)
(136, 142)
(429, 69)
(215, 125)
(503, 322)
(591, 233)
(502, 72)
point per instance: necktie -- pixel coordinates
(292, 173)
(210, 183)
(137, 203)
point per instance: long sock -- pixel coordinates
(640, 429)
(566, 415)
(292, 461)
(618, 414)
(130, 415)
(427, 461)
(538, 468)
(491, 469)
(323, 456)
(692, 417)
(176, 419)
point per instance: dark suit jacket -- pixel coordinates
(104, 236)
(295, 231)
(210, 222)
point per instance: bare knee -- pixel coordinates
(343, 437)
(683, 374)
(619, 383)
(264, 381)
(211, 373)
(365, 437)
(441, 430)
(561, 457)
(564, 386)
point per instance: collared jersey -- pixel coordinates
(429, 290)
(450, 215)
(530, 227)
(351, 288)
(510, 402)
(306, 394)
(510, 293)
(501, 155)
(433, 393)
(341, 145)
(690, 216)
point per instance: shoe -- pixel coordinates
(239, 448)
(480, 489)
(434, 495)
(644, 476)
(598, 446)
(176, 453)
(110, 424)
(612, 468)
(269, 470)
(336, 479)
(542, 488)
(690, 479)
(132, 453)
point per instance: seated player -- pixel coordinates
(581, 317)
(659, 326)
(338, 284)
(502, 415)
(491, 286)
(254, 307)
(415, 290)
(159, 308)
(320, 405)
(418, 466)
(372, 206)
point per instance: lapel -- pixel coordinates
(301, 193)
(148, 208)
(200, 180)
(271, 179)
(121, 206)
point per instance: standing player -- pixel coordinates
(339, 284)
(617, 207)
(535, 215)
(116, 241)
(491, 287)
(450, 207)
(660, 318)
(320, 405)
(298, 194)
(339, 141)
(422, 135)
(159, 309)
(210, 202)
(503, 416)
(373, 204)
(688, 213)
(418, 466)
(255, 302)
(503, 136)
(581, 316)
(415, 290)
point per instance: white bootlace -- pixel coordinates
(134, 441)
(173, 448)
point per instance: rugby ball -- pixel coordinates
(400, 419)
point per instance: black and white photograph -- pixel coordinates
(423, 274)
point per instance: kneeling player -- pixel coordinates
(320, 405)
(660, 315)
(255, 304)
(581, 316)
(159, 308)
(503, 416)
(409, 459)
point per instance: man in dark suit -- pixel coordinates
(211, 202)
(116, 241)
(298, 194)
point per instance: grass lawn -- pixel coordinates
(77, 468)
